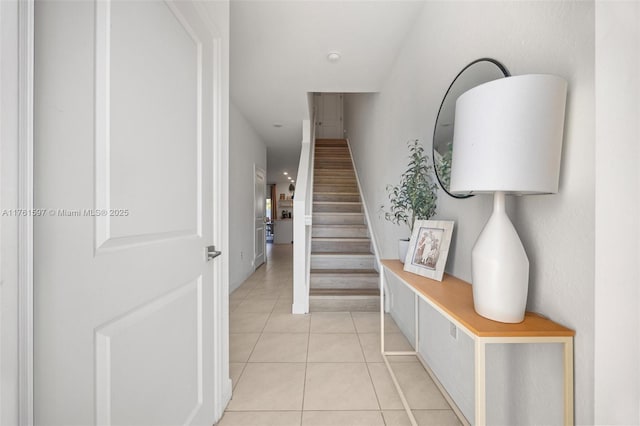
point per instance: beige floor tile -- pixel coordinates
(239, 294)
(287, 323)
(281, 347)
(342, 418)
(235, 370)
(264, 292)
(417, 386)
(396, 418)
(261, 418)
(233, 305)
(436, 418)
(386, 391)
(241, 345)
(339, 386)
(396, 342)
(369, 322)
(332, 322)
(334, 347)
(269, 387)
(256, 305)
(393, 342)
(402, 358)
(423, 418)
(247, 322)
(370, 343)
(283, 306)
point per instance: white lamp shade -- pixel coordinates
(508, 136)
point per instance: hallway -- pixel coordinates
(320, 369)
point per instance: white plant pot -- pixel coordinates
(403, 247)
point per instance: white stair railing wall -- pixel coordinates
(302, 219)
(372, 236)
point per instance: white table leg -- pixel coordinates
(568, 381)
(480, 383)
(382, 310)
(416, 327)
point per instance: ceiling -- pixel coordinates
(279, 54)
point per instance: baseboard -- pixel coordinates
(227, 390)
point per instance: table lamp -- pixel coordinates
(507, 140)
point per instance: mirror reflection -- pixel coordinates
(476, 73)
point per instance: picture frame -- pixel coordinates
(429, 248)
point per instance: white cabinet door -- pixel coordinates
(124, 137)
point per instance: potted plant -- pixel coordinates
(415, 196)
(292, 190)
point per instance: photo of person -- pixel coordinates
(427, 249)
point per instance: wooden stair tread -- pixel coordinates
(338, 202)
(344, 292)
(338, 213)
(342, 239)
(342, 253)
(336, 193)
(341, 226)
(344, 272)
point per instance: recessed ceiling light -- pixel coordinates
(277, 125)
(333, 56)
(285, 173)
(292, 180)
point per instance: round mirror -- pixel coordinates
(476, 73)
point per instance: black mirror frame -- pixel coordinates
(504, 71)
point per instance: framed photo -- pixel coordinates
(429, 248)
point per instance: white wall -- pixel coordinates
(617, 303)
(9, 250)
(557, 230)
(245, 149)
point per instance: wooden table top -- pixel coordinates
(455, 297)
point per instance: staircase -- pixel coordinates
(343, 277)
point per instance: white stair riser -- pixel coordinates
(344, 304)
(334, 188)
(337, 208)
(344, 281)
(340, 246)
(319, 261)
(336, 180)
(349, 198)
(344, 232)
(332, 173)
(348, 219)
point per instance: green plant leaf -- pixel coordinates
(415, 197)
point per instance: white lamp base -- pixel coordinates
(500, 268)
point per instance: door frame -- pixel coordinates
(25, 201)
(257, 169)
(24, 251)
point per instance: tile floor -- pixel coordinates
(320, 369)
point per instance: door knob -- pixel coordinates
(212, 253)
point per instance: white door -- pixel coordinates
(259, 206)
(328, 108)
(125, 301)
(12, 280)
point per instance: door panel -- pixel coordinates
(124, 302)
(329, 116)
(260, 238)
(138, 348)
(138, 122)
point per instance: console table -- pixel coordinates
(453, 299)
